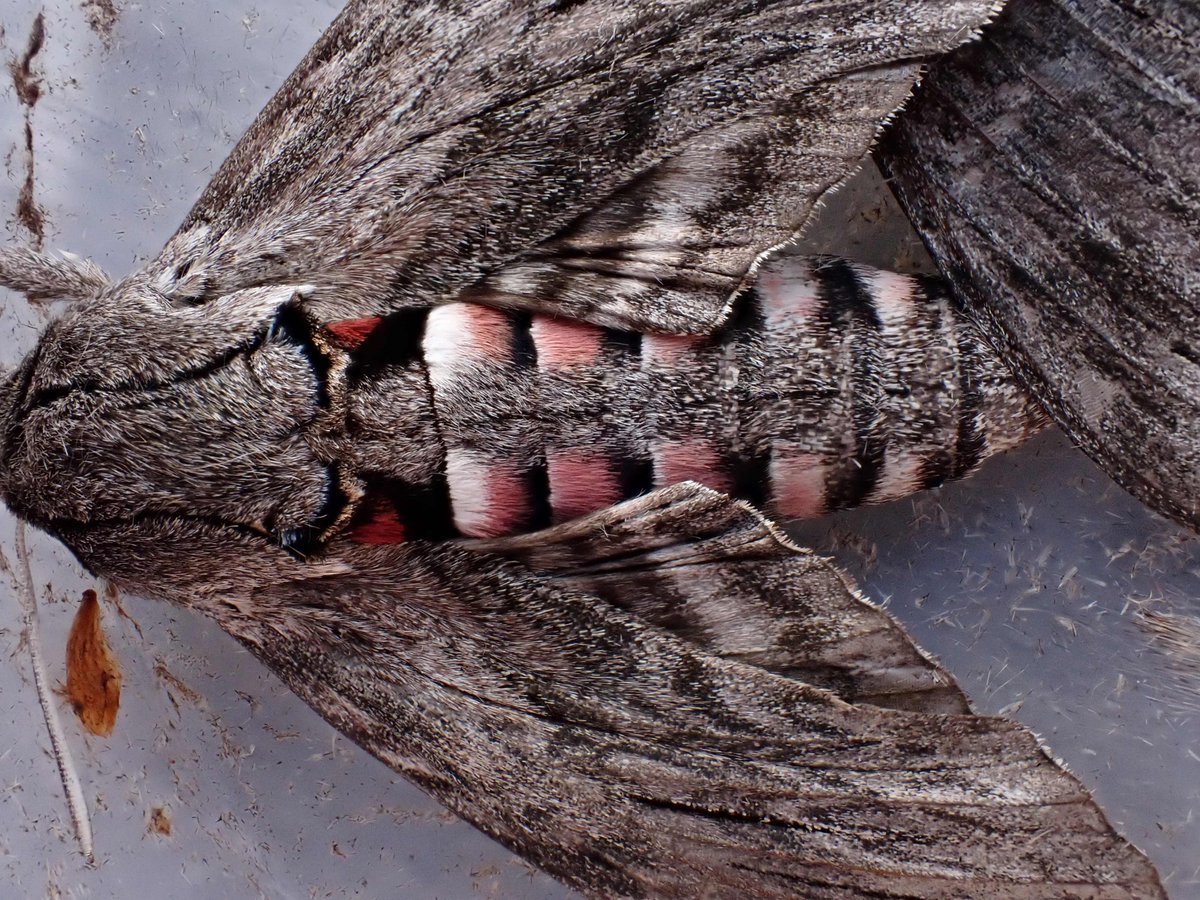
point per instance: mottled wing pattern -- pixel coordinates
(713, 571)
(665, 252)
(621, 162)
(631, 763)
(1054, 172)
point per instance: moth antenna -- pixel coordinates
(49, 276)
(76, 804)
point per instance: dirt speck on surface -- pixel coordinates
(160, 821)
(29, 214)
(28, 85)
(176, 685)
(113, 596)
(101, 18)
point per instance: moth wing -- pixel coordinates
(629, 762)
(1065, 216)
(715, 572)
(669, 251)
(621, 163)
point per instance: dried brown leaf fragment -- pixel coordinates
(93, 673)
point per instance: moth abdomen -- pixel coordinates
(891, 390)
(830, 386)
(848, 385)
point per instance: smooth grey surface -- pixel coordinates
(1032, 581)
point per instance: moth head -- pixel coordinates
(137, 406)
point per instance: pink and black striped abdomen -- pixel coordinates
(831, 385)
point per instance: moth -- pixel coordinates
(660, 696)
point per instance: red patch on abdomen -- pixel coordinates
(789, 298)
(488, 497)
(580, 483)
(562, 343)
(382, 526)
(669, 349)
(798, 483)
(349, 334)
(694, 459)
(489, 333)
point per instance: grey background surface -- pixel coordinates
(1049, 593)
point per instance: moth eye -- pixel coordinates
(290, 326)
(300, 542)
(302, 533)
(291, 539)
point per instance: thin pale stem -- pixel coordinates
(72, 788)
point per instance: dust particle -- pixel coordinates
(160, 821)
(174, 681)
(101, 18)
(29, 89)
(28, 85)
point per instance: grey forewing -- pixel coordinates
(622, 163)
(1066, 218)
